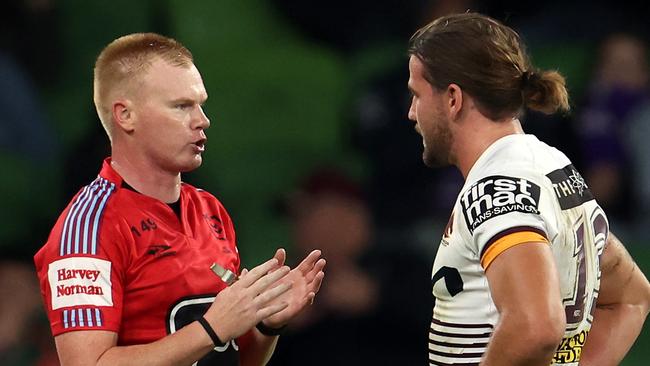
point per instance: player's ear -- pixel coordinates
(123, 115)
(454, 100)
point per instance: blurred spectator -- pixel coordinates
(24, 128)
(618, 90)
(29, 31)
(29, 150)
(329, 213)
(24, 331)
(347, 25)
(373, 308)
(82, 158)
(28, 145)
(637, 135)
(402, 190)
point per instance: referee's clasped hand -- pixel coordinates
(254, 297)
(305, 281)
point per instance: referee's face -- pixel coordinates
(430, 121)
(170, 121)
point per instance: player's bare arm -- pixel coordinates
(526, 291)
(622, 307)
(235, 310)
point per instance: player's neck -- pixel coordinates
(478, 135)
(148, 179)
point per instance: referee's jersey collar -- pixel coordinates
(110, 174)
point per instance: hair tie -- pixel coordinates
(525, 78)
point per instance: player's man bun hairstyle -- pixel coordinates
(489, 62)
(545, 91)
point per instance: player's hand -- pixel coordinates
(306, 279)
(255, 296)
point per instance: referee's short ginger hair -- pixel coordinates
(488, 61)
(125, 60)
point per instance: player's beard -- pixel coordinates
(437, 141)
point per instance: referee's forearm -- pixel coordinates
(256, 348)
(183, 347)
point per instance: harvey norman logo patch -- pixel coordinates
(497, 195)
(80, 281)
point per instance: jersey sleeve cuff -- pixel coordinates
(508, 239)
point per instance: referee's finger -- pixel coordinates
(265, 281)
(272, 309)
(271, 294)
(281, 256)
(318, 281)
(318, 267)
(246, 280)
(309, 261)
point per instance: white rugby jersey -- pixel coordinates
(519, 190)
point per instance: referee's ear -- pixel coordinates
(123, 115)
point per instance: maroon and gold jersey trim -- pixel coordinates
(508, 239)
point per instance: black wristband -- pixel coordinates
(268, 331)
(208, 329)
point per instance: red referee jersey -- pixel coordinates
(121, 261)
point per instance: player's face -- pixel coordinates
(430, 121)
(170, 119)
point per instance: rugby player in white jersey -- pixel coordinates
(527, 272)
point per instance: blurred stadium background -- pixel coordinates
(309, 97)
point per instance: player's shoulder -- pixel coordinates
(518, 155)
(525, 158)
(507, 183)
